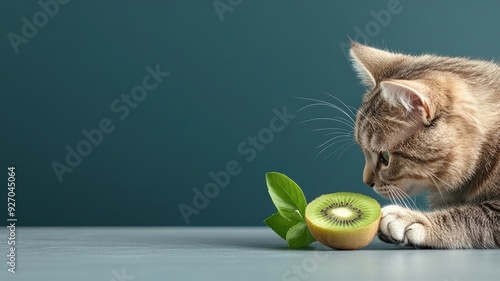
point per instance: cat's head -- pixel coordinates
(418, 125)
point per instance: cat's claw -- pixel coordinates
(402, 226)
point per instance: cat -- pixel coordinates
(432, 123)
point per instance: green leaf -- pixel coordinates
(291, 203)
(279, 224)
(287, 196)
(299, 236)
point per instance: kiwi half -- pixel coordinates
(343, 220)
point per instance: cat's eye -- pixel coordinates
(384, 157)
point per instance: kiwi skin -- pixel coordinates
(345, 239)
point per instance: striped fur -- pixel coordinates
(439, 120)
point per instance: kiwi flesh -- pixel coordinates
(343, 220)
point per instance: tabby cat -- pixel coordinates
(432, 123)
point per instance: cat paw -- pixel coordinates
(402, 226)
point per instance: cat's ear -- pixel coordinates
(412, 96)
(369, 63)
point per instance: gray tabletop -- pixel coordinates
(125, 254)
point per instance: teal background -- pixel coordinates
(226, 76)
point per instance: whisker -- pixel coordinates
(410, 200)
(347, 122)
(391, 196)
(331, 139)
(342, 146)
(311, 105)
(395, 190)
(401, 196)
(325, 103)
(336, 119)
(351, 144)
(398, 197)
(402, 199)
(336, 135)
(331, 128)
(333, 143)
(345, 105)
(391, 192)
(353, 108)
(405, 196)
(347, 134)
(433, 177)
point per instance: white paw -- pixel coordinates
(402, 226)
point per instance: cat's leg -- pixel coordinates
(465, 226)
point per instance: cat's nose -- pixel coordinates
(370, 183)
(368, 176)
